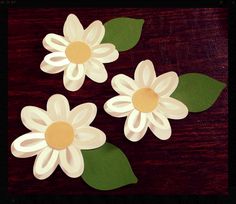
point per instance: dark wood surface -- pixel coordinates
(192, 161)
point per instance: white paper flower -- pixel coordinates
(146, 102)
(57, 136)
(78, 53)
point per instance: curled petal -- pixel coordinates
(136, 121)
(145, 73)
(53, 42)
(71, 161)
(119, 106)
(45, 67)
(45, 163)
(28, 145)
(57, 59)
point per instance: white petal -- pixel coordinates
(165, 84)
(73, 30)
(72, 162)
(54, 42)
(57, 59)
(58, 107)
(83, 115)
(96, 71)
(123, 84)
(172, 108)
(94, 33)
(45, 163)
(35, 119)
(89, 138)
(136, 121)
(44, 66)
(75, 71)
(119, 106)
(73, 85)
(145, 73)
(28, 145)
(134, 136)
(159, 125)
(107, 57)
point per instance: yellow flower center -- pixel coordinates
(59, 135)
(145, 100)
(78, 52)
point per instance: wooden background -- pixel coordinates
(192, 161)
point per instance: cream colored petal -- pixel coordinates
(35, 119)
(96, 71)
(134, 136)
(165, 84)
(57, 59)
(28, 145)
(45, 67)
(73, 85)
(89, 138)
(83, 115)
(53, 42)
(145, 73)
(94, 33)
(45, 163)
(71, 161)
(136, 121)
(119, 106)
(172, 108)
(58, 107)
(123, 84)
(75, 71)
(159, 125)
(73, 29)
(113, 56)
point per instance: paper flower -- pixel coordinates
(57, 136)
(78, 53)
(146, 102)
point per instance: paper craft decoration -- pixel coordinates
(83, 52)
(64, 137)
(149, 101)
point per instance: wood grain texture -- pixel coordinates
(192, 161)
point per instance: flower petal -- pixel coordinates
(53, 42)
(145, 73)
(83, 115)
(89, 138)
(45, 163)
(28, 145)
(71, 161)
(57, 59)
(110, 55)
(73, 85)
(75, 71)
(172, 108)
(134, 136)
(119, 106)
(165, 84)
(159, 125)
(94, 33)
(45, 67)
(96, 71)
(58, 107)
(136, 121)
(123, 84)
(73, 30)
(35, 119)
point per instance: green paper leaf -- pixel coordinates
(107, 168)
(198, 91)
(123, 32)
